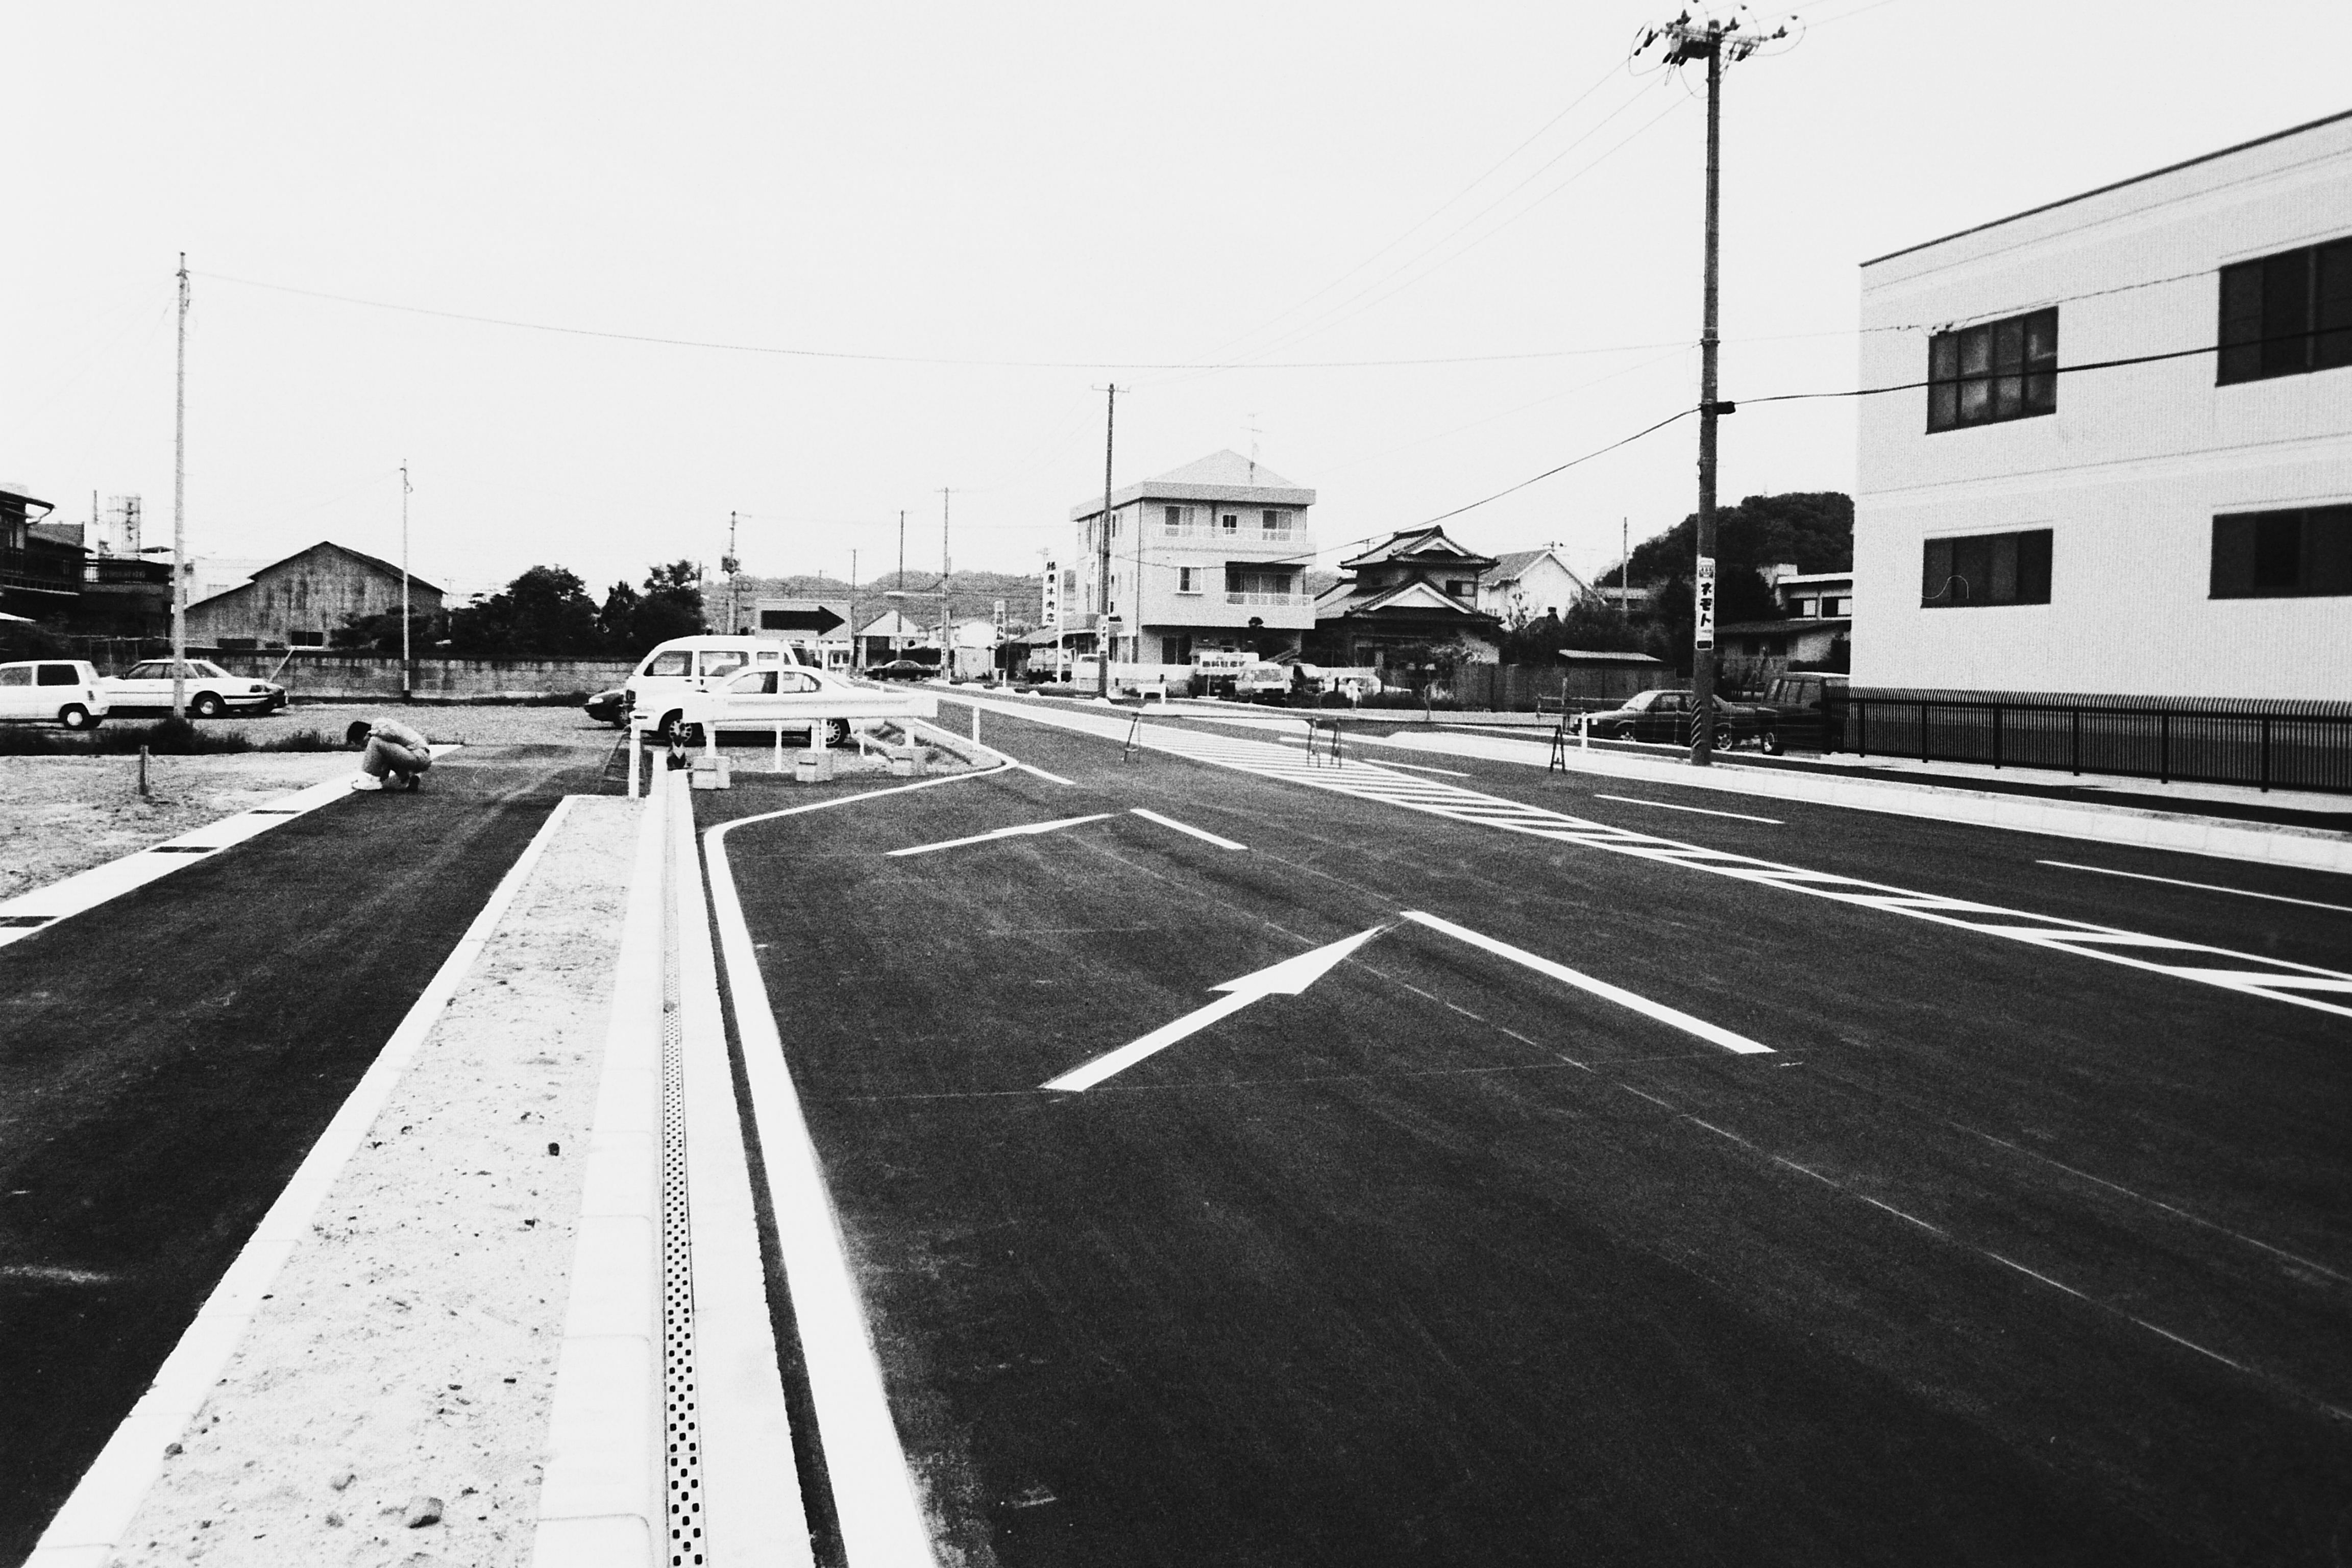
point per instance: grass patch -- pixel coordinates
(164, 738)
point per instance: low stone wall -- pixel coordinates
(320, 676)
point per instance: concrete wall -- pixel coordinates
(2131, 471)
(309, 676)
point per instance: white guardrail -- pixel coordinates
(714, 712)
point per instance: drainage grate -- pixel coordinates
(684, 1417)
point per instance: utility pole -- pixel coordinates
(179, 511)
(1686, 40)
(947, 611)
(730, 565)
(407, 695)
(1625, 568)
(898, 622)
(1102, 552)
(853, 609)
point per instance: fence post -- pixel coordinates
(2078, 742)
(2266, 753)
(2164, 747)
(1860, 727)
(1923, 732)
(1996, 712)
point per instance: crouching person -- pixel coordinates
(394, 755)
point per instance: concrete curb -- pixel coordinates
(601, 1503)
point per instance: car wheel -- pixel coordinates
(1768, 742)
(208, 705)
(691, 736)
(836, 732)
(74, 716)
(666, 730)
(1723, 737)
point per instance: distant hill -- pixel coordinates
(973, 595)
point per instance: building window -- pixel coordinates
(2287, 314)
(1273, 522)
(1986, 569)
(2297, 554)
(1174, 516)
(1231, 523)
(1187, 581)
(306, 640)
(1461, 587)
(2001, 370)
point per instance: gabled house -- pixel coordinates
(1529, 585)
(41, 563)
(1418, 587)
(303, 600)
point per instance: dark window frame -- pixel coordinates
(1993, 372)
(2288, 552)
(2288, 313)
(1985, 571)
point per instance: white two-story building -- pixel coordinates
(1211, 557)
(2121, 464)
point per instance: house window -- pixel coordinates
(1176, 650)
(2303, 553)
(1187, 581)
(1175, 518)
(1986, 569)
(1460, 587)
(2287, 314)
(1273, 522)
(1832, 607)
(306, 640)
(2001, 370)
(1802, 607)
(1231, 523)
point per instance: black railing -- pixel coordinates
(2269, 750)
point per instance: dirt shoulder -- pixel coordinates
(407, 1349)
(63, 815)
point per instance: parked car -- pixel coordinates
(681, 666)
(803, 699)
(208, 690)
(67, 690)
(1261, 678)
(1661, 714)
(1800, 705)
(608, 707)
(902, 669)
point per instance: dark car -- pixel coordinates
(1800, 705)
(609, 707)
(1665, 715)
(901, 669)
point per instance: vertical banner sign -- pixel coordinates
(1049, 614)
(1702, 601)
(1000, 620)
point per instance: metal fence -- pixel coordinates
(2282, 751)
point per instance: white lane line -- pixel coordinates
(2201, 887)
(1669, 805)
(1739, 1044)
(874, 1495)
(1031, 768)
(89, 1527)
(1288, 978)
(1200, 833)
(1416, 767)
(1026, 827)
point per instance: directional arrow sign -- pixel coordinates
(799, 615)
(1288, 978)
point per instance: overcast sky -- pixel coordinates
(972, 216)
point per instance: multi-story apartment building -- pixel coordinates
(2128, 471)
(1212, 556)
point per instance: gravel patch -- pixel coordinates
(63, 815)
(389, 1404)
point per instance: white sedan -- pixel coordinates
(209, 690)
(796, 698)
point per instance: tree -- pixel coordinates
(379, 633)
(1813, 529)
(671, 606)
(545, 612)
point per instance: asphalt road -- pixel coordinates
(1999, 1254)
(167, 1060)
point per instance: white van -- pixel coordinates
(681, 666)
(1261, 678)
(65, 689)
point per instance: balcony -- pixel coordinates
(1278, 600)
(1289, 541)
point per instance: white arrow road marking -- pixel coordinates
(1288, 978)
(1003, 832)
(1680, 1020)
(1186, 827)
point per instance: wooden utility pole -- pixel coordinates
(1687, 39)
(1102, 552)
(179, 511)
(407, 695)
(947, 611)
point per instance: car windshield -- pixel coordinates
(206, 667)
(153, 670)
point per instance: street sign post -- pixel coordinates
(1703, 602)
